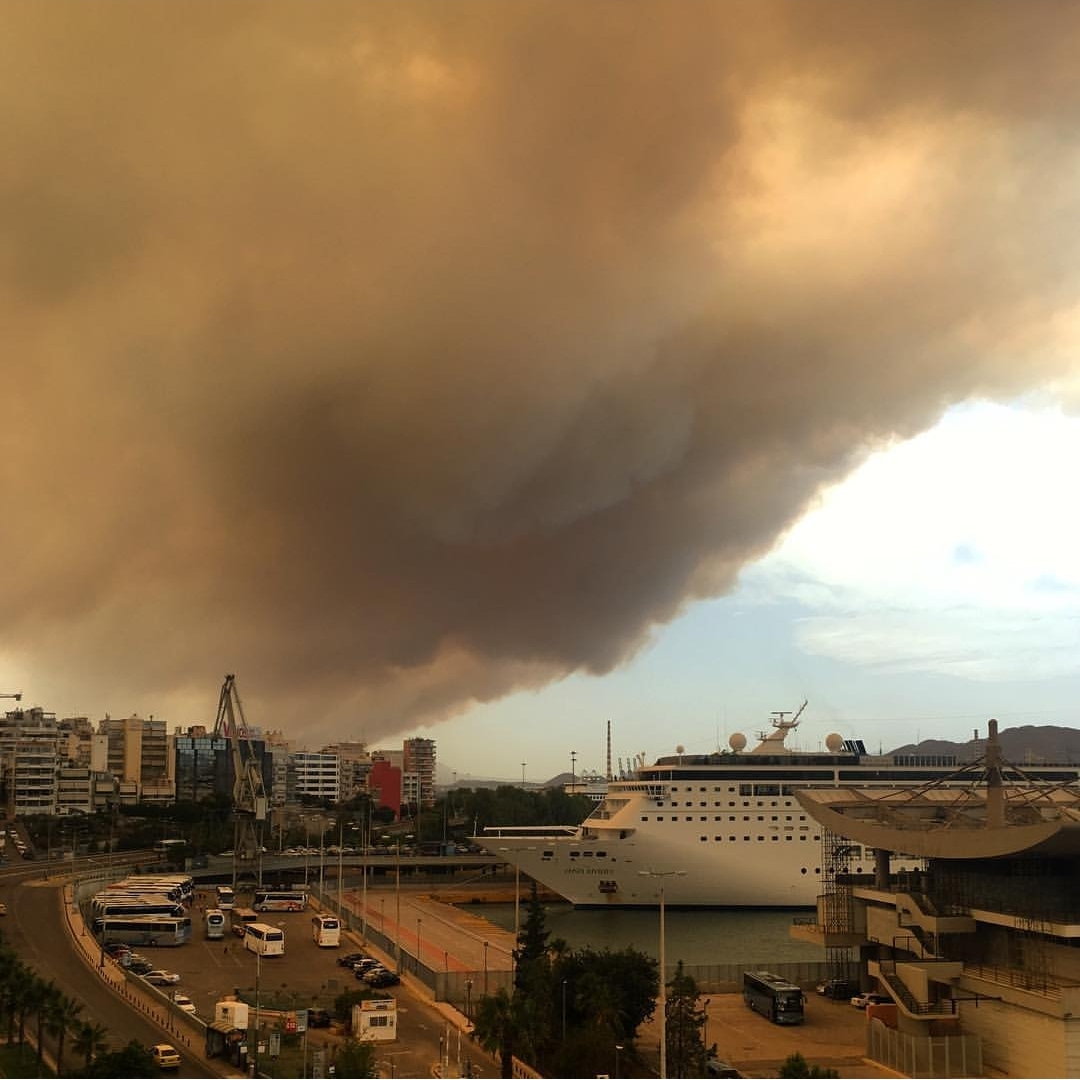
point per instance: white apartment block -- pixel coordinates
(317, 775)
(29, 742)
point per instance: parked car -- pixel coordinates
(365, 974)
(349, 959)
(182, 1001)
(860, 1001)
(165, 1056)
(139, 967)
(383, 978)
(161, 977)
(318, 1018)
(838, 989)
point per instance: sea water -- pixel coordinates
(695, 936)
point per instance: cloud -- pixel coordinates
(400, 357)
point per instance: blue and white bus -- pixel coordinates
(781, 1001)
(138, 906)
(280, 900)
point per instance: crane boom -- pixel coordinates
(249, 792)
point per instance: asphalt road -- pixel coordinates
(34, 928)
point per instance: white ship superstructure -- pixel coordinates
(718, 830)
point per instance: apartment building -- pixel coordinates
(418, 771)
(317, 775)
(140, 755)
(29, 744)
(354, 765)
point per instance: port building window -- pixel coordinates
(703, 839)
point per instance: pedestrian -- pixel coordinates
(226, 948)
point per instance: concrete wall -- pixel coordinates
(1021, 1042)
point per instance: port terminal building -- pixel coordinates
(980, 950)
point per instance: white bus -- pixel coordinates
(264, 940)
(226, 898)
(138, 906)
(143, 930)
(280, 900)
(215, 924)
(326, 931)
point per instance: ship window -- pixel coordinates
(718, 817)
(774, 837)
(731, 790)
(746, 837)
(803, 838)
(760, 818)
(601, 854)
(802, 817)
(817, 869)
(732, 839)
(702, 789)
(803, 870)
(817, 837)
(731, 804)
(746, 817)
(760, 838)
(549, 854)
(644, 817)
(774, 818)
(788, 838)
(587, 854)
(659, 817)
(703, 817)
(787, 817)
(703, 839)
(767, 790)
(703, 803)
(718, 838)
(574, 854)
(689, 817)
(746, 790)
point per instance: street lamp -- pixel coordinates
(661, 874)
(617, 1049)
(397, 899)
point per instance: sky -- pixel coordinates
(488, 371)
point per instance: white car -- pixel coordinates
(182, 1001)
(160, 977)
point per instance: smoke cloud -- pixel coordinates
(396, 357)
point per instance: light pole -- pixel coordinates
(485, 969)
(419, 949)
(617, 1049)
(661, 874)
(523, 764)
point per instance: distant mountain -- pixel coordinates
(1029, 745)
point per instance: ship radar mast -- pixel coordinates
(782, 722)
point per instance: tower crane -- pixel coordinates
(249, 792)
(17, 695)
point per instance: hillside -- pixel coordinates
(1032, 745)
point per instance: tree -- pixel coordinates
(495, 1028)
(44, 995)
(89, 1041)
(134, 1060)
(62, 1017)
(795, 1065)
(685, 1022)
(355, 1059)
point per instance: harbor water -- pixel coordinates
(722, 936)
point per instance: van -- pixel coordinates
(215, 924)
(721, 1069)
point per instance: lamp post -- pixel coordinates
(485, 969)
(617, 1049)
(661, 874)
(468, 1000)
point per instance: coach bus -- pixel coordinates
(781, 1001)
(215, 924)
(226, 898)
(143, 930)
(280, 900)
(138, 906)
(264, 940)
(326, 931)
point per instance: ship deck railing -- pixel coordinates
(533, 832)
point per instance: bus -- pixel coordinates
(280, 900)
(264, 940)
(154, 888)
(171, 851)
(138, 906)
(143, 929)
(326, 931)
(215, 924)
(226, 898)
(182, 885)
(781, 1001)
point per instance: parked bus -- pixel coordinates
(280, 900)
(155, 888)
(138, 906)
(264, 940)
(226, 898)
(781, 1001)
(183, 885)
(215, 924)
(326, 931)
(143, 930)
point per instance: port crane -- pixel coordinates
(17, 695)
(249, 792)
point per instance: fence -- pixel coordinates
(924, 1055)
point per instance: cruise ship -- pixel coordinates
(723, 829)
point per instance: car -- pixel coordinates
(713, 1067)
(318, 1018)
(363, 973)
(365, 963)
(860, 1001)
(383, 978)
(182, 1001)
(838, 989)
(161, 977)
(117, 949)
(349, 959)
(139, 967)
(165, 1056)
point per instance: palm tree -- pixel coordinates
(90, 1040)
(45, 996)
(496, 1027)
(62, 1018)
